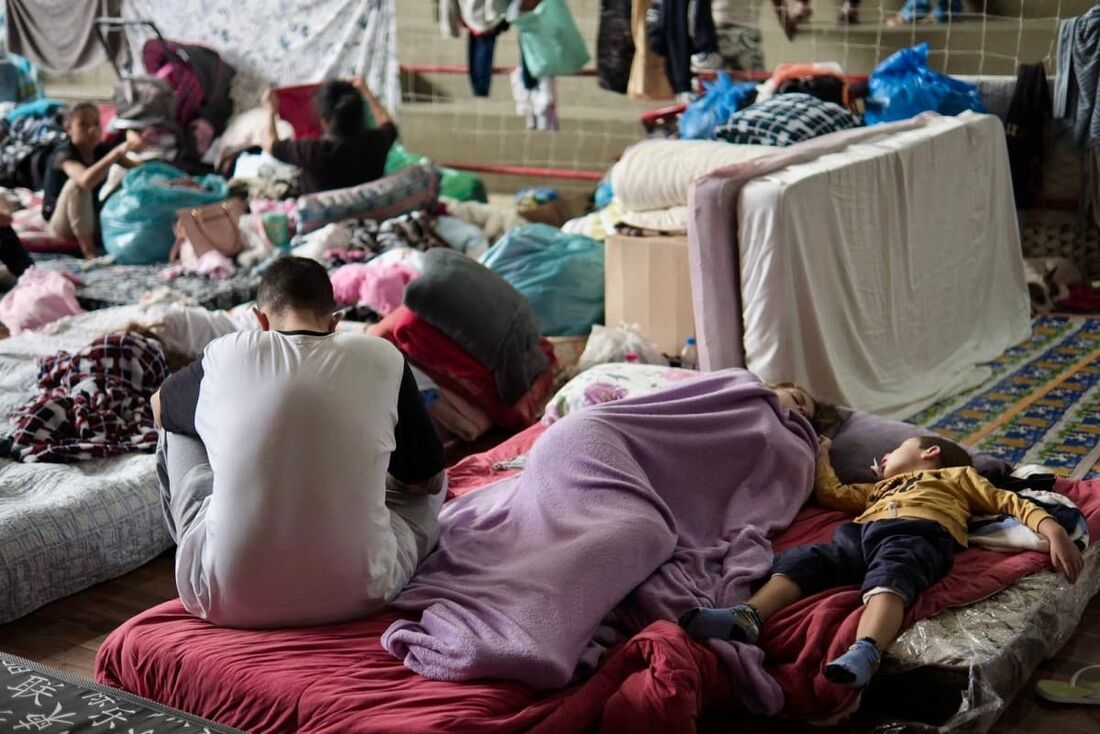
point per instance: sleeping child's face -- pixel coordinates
(798, 400)
(909, 457)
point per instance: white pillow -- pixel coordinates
(247, 129)
(657, 174)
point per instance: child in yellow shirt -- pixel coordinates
(909, 527)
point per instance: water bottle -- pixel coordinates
(689, 355)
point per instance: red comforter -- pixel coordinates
(339, 679)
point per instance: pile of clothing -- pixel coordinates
(484, 355)
(92, 404)
(28, 135)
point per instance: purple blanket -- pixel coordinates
(627, 513)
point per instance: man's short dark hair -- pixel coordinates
(951, 454)
(296, 283)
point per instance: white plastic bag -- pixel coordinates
(613, 343)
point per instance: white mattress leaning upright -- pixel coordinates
(881, 276)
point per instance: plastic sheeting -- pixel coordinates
(560, 275)
(969, 663)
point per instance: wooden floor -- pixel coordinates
(67, 633)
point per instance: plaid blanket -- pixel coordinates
(785, 119)
(94, 403)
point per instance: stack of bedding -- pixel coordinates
(651, 182)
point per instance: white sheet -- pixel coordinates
(880, 276)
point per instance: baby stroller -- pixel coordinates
(184, 92)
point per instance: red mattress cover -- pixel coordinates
(339, 679)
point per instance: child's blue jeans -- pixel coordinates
(903, 556)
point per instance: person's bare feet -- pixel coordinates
(848, 15)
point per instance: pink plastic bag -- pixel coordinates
(39, 298)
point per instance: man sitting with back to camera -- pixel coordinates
(300, 474)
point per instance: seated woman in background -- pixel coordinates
(349, 153)
(75, 173)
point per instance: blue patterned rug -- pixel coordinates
(1042, 404)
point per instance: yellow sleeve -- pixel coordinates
(986, 499)
(828, 491)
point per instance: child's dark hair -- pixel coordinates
(75, 110)
(951, 454)
(298, 283)
(340, 105)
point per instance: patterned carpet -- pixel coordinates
(1042, 404)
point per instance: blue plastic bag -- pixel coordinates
(550, 40)
(903, 86)
(720, 99)
(560, 275)
(604, 193)
(137, 221)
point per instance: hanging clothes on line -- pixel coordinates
(479, 60)
(536, 99)
(679, 29)
(614, 45)
(1025, 122)
(1077, 99)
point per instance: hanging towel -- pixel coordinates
(1027, 115)
(614, 46)
(1078, 76)
(58, 35)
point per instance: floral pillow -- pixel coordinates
(606, 383)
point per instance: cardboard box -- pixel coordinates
(647, 281)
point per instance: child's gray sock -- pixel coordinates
(742, 623)
(855, 667)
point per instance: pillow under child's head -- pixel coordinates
(860, 438)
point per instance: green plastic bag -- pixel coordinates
(550, 41)
(137, 221)
(454, 184)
